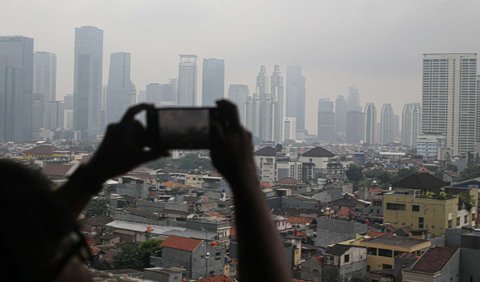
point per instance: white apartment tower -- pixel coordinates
(370, 123)
(278, 111)
(410, 124)
(450, 99)
(386, 124)
(187, 81)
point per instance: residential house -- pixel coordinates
(315, 162)
(265, 159)
(438, 264)
(344, 263)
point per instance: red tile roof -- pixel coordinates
(299, 220)
(56, 169)
(288, 181)
(434, 259)
(375, 234)
(217, 278)
(181, 243)
(42, 150)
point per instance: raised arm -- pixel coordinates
(262, 256)
(122, 149)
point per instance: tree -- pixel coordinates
(97, 207)
(470, 172)
(354, 173)
(136, 256)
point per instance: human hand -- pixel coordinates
(231, 145)
(124, 147)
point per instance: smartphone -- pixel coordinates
(180, 128)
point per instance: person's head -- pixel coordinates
(39, 235)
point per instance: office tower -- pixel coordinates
(142, 96)
(450, 99)
(252, 111)
(289, 128)
(353, 100)
(44, 87)
(370, 123)
(187, 81)
(396, 127)
(213, 81)
(276, 92)
(410, 124)
(161, 94)
(238, 94)
(68, 112)
(355, 127)
(340, 115)
(386, 124)
(16, 86)
(54, 115)
(265, 99)
(87, 89)
(121, 92)
(326, 121)
(295, 106)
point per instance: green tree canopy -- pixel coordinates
(354, 173)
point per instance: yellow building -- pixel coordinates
(381, 251)
(419, 202)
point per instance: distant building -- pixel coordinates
(450, 99)
(252, 112)
(16, 86)
(295, 106)
(341, 116)
(187, 81)
(213, 81)
(370, 123)
(331, 231)
(436, 265)
(353, 100)
(121, 92)
(276, 92)
(315, 161)
(344, 263)
(355, 127)
(429, 146)
(87, 89)
(326, 121)
(266, 162)
(386, 124)
(410, 124)
(238, 94)
(162, 94)
(289, 128)
(44, 87)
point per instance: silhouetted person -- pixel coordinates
(40, 240)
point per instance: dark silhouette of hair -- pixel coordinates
(34, 224)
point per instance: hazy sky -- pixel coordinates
(376, 45)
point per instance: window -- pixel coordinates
(372, 251)
(346, 258)
(465, 219)
(392, 206)
(420, 223)
(458, 221)
(387, 266)
(415, 208)
(449, 223)
(385, 253)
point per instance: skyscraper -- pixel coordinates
(353, 99)
(370, 123)
(161, 94)
(450, 99)
(120, 89)
(213, 81)
(278, 111)
(355, 128)
(326, 121)
(295, 106)
(252, 111)
(386, 124)
(340, 115)
(16, 85)
(410, 124)
(265, 99)
(238, 94)
(187, 81)
(44, 87)
(87, 89)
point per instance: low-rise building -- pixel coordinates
(438, 264)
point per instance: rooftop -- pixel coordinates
(396, 241)
(181, 243)
(266, 151)
(421, 181)
(337, 249)
(318, 152)
(434, 259)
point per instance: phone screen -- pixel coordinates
(184, 128)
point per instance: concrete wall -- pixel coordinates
(311, 270)
(469, 265)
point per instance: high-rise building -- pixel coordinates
(278, 111)
(162, 94)
(44, 88)
(340, 116)
(386, 124)
(238, 94)
(450, 99)
(16, 86)
(295, 106)
(87, 89)
(252, 111)
(410, 124)
(326, 121)
(265, 99)
(187, 81)
(353, 99)
(355, 127)
(370, 123)
(120, 89)
(68, 112)
(213, 81)
(289, 128)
